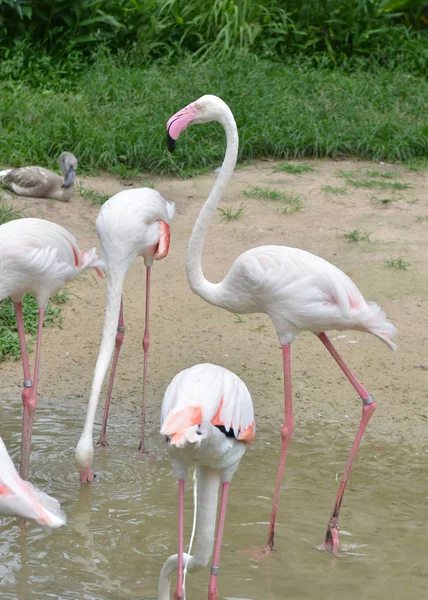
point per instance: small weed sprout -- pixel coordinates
(91, 195)
(397, 263)
(228, 215)
(330, 189)
(357, 236)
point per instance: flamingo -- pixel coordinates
(131, 223)
(19, 498)
(207, 418)
(42, 183)
(296, 289)
(36, 257)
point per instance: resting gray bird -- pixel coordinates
(42, 183)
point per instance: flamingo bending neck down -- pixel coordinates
(132, 223)
(36, 257)
(18, 498)
(208, 418)
(296, 289)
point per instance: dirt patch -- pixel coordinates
(186, 330)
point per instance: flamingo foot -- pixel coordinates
(86, 476)
(102, 442)
(178, 594)
(331, 540)
(212, 593)
(143, 451)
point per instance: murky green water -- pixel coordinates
(121, 530)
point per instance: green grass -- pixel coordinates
(8, 213)
(290, 202)
(397, 263)
(421, 219)
(92, 195)
(115, 119)
(9, 341)
(294, 169)
(330, 189)
(356, 236)
(266, 194)
(229, 215)
(363, 178)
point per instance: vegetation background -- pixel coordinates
(304, 78)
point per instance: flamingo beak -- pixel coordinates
(69, 178)
(178, 123)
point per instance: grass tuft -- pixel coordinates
(92, 195)
(385, 201)
(228, 215)
(357, 236)
(291, 202)
(8, 213)
(294, 169)
(421, 219)
(330, 189)
(397, 263)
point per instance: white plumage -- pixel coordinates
(39, 257)
(21, 499)
(132, 223)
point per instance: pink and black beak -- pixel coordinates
(178, 123)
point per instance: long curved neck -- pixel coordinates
(195, 275)
(208, 484)
(114, 295)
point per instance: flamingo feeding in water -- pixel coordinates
(296, 289)
(132, 223)
(36, 257)
(207, 418)
(18, 498)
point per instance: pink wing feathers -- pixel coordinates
(21, 499)
(206, 393)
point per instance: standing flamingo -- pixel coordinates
(36, 257)
(297, 290)
(19, 498)
(207, 418)
(132, 223)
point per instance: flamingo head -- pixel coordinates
(207, 108)
(68, 164)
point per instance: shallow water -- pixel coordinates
(121, 529)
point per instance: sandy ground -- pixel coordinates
(186, 330)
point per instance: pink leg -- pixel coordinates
(119, 341)
(331, 541)
(30, 405)
(179, 594)
(146, 343)
(26, 392)
(286, 433)
(212, 588)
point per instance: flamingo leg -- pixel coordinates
(27, 383)
(30, 402)
(119, 341)
(286, 433)
(212, 588)
(146, 343)
(331, 540)
(179, 593)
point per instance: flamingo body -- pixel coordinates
(130, 224)
(21, 499)
(299, 291)
(38, 182)
(36, 257)
(207, 419)
(39, 257)
(296, 289)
